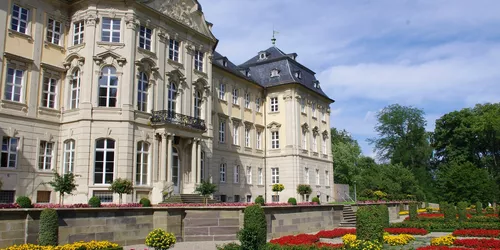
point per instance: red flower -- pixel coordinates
(338, 232)
(477, 233)
(484, 243)
(300, 239)
(412, 231)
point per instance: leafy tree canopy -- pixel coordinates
(64, 184)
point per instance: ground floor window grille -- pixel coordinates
(7, 196)
(236, 198)
(223, 198)
(104, 196)
(276, 198)
(249, 198)
(42, 196)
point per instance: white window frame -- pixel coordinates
(172, 98)
(74, 86)
(323, 116)
(307, 177)
(198, 60)
(315, 144)
(275, 175)
(45, 155)
(142, 92)
(173, 50)
(78, 32)
(222, 91)
(247, 137)
(304, 140)
(235, 96)
(324, 146)
(49, 92)
(258, 140)
(106, 149)
(275, 139)
(69, 156)
(222, 173)
(327, 178)
(236, 134)
(202, 165)
(197, 104)
(257, 104)
(237, 174)
(274, 104)
(249, 175)
(145, 38)
(260, 174)
(9, 149)
(142, 163)
(303, 105)
(247, 100)
(13, 85)
(109, 72)
(18, 19)
(222, 131)
(313, 107)
(317, 177)
(53, 35)
(114, 30)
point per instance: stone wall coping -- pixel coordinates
(387, 203)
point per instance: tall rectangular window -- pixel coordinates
(260, 176)
(313, 110)
(75, 90)
(314, 144)
(275, 139)
(45, 155)
(327, 178)
(304, 140)
(142, 92)
(202, 165)
(78, 32)
(306, 176)
(274, 104)
(198, 60)
(110, 30)
(275, 175)
(257, 104)
(222, 131)
(303, 105)
(222, 91)
(249, 175)
(173, 50)
(19, 19)
(247, 100)
(235, 96)
(236, 132)
(323, 116)
(237, 174)
(247, 137)
(104, 162)
(324, 146)
(259, 140)
(54, 30)
(142, 163)
(14, 85)
(317, 176)
(69, 156)
(222, 172)
(145, 38)
(8, 158)
(49, 92)
(108, 87)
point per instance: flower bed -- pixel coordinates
(92, 245)
(448, 248)
(477, 233)
(483, 243)
(441, 226)
(338, 232)
(300, 239)
(232, 204)
(412, 231)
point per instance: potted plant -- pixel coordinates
(304, 189)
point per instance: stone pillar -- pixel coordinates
(193, 162)
(163, 165)
(170, 158)
(198, 161)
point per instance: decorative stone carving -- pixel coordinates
(177, 77)
(274, 126)
(178, 10)
(315, 130)
(305, 127)
(91, 19)
(131, 21)
(325, 134)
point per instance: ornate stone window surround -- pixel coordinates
(19, 63)
(51, 73)
(98, 73)
(113, 14)
(65, 25)
(271, 96)
(147, 66)
(143, 22)
(29, 25)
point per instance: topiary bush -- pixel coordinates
(489, 210)
(292, 201)
(94, 202)
(254, 232)
(450, 213)
(462, 211)
(385, 215)
(413, 211)
(260, 200)
(145, 202)
(49, 228)
(369, 224)
(479, 208)
(24, 202)
(316, 199)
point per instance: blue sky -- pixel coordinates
(436, 55)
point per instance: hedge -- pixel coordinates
(413, 211)
(462, 211)
(49, 228)
(369, 223)
(254, 232)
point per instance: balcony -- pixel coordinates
(170, 117)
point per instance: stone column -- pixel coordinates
(193, 161)
(198, 161)
(170, 158)
(163, 165)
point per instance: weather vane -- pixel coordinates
(273, 40)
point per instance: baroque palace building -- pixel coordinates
(134, 89)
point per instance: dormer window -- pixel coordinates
(316, 84)
(275, 73)
(262, 55)
(298, 74)
(224, 63)
(247, 73)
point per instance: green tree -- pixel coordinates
(346, 152)
(64, 184)
(205, 188)
(121, 186)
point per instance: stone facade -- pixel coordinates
(131, 89)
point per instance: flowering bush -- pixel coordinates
(398, 240)
(11, 205)
(412, 231)
(92, 245)
(446, 247)
(379, 194)
(443, 241)
(338, 232)
(300, 239)
(159, 239)
(278, 187)
(350, 242)
(476, 233)
(484, 243)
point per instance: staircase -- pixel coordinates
(348, 217)
(187, 198)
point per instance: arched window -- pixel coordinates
(75, 89)
(108, 87)
(69, 156)
(172, 94)
(197, 104)
(104, 163)
(142, 163)
(142, 92)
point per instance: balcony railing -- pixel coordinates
(171, 117)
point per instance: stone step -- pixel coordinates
(347, 224)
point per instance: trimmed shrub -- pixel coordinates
(413, 211)
(479, 208)
(490, 210)
(462, 211)
(145, 202)
(369, 223)
(260, 200)
(385, 215)
(254, 232)
(24, 202)
(316, 199)
(450, 212)
(292, 201)
(49, 228)
(94, 202)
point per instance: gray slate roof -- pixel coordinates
(260, 70)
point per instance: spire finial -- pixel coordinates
(273, 40)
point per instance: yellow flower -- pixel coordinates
(443, 241)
